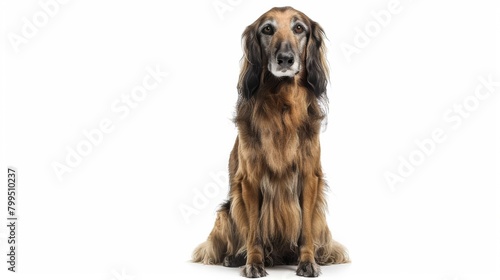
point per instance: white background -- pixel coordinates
(117, 214)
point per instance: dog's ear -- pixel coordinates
(316, 63)
(251, 67)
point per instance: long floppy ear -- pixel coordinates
(316, 64)
(251, 67)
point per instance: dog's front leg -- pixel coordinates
(307, 265)
(255, 254)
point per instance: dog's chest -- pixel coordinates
(280, 214)
(280, 119)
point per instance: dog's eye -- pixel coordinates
(268, 30)
(298, 29)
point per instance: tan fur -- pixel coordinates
(276, 208)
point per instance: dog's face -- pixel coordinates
(283, 37)
(285, 44)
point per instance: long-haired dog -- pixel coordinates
(275, 213)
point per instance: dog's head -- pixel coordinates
(287, 44)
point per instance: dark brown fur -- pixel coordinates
(276, 208)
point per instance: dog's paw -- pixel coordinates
(254, 270)
(234, 261)
(308, 269)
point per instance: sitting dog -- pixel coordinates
(275, 213)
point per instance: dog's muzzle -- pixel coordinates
(284, 63)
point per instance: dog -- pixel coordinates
(275, 212)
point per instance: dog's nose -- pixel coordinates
(285, 59)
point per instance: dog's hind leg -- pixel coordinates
(332, 253)
(235, 260)
(219, 243)
(328, 251)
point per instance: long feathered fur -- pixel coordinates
(275, 213)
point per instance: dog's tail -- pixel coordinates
(217, 245)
